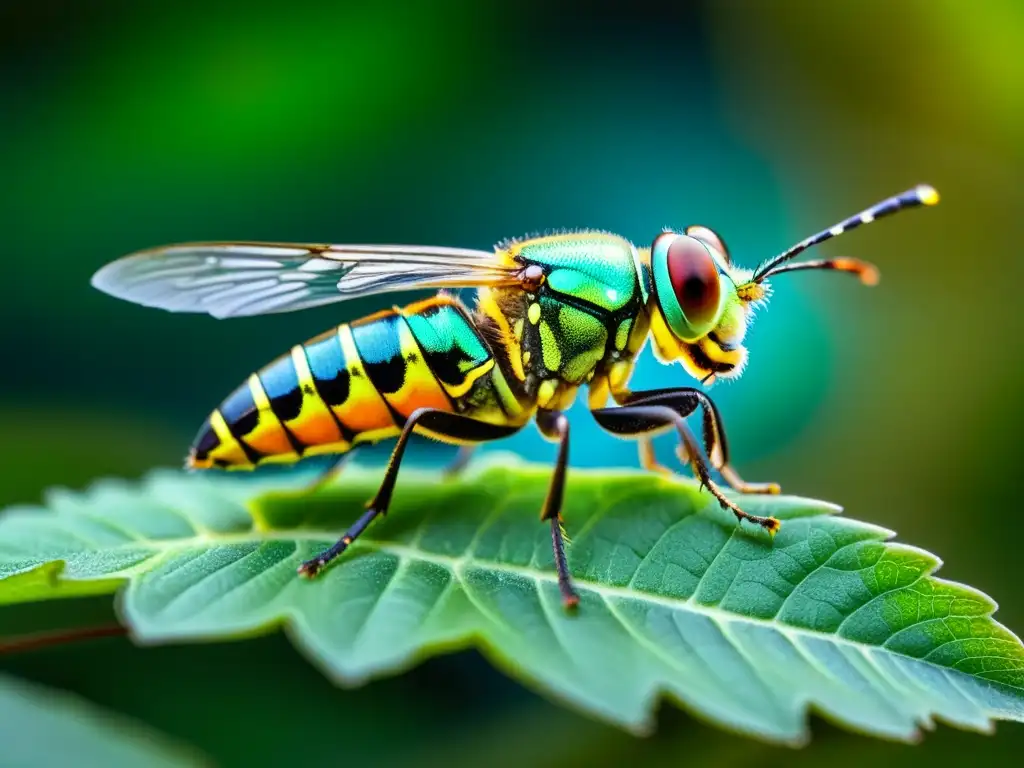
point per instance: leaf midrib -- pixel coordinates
(457, 565)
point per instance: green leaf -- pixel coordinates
(677, 601)
(39, 726)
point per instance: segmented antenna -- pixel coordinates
(922, 194)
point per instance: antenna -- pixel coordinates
(922, 194)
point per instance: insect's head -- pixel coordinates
(701, 303)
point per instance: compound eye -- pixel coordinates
(694, 277)
(711, 238)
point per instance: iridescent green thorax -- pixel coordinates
(577, 321)
(597, 268)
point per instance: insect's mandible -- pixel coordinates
(551, 313)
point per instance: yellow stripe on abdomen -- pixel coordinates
(364, 410)
(357, 384)
(269, 436)
(215, 446)
(395, 365)
(316, 426)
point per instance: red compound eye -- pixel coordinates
(694, 277)
(709, 237)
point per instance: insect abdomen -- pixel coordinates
(354, 384)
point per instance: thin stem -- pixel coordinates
(59, 637)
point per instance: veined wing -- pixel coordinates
(238, 279)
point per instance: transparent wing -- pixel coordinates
(238, 279)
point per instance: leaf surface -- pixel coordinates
(677, 601)
(39, 726)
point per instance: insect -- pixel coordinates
(552, 313)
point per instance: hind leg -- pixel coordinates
(441, 423)
(459, 463)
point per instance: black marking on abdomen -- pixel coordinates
(239, 411)
(287, 406)
(446, 366)
(281, 383)
(205, 441)
(323, 387)
(387, 376)
(335, 391)
(253, 455)
(241, 416)
(380, 350)
(327, 363)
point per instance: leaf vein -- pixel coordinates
(396, 575)
(879, 596)
(813, 571)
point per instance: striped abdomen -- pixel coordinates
(358, 384)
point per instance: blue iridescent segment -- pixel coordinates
(326, 357)
(238, 406)
(380, 348)
(279, 378)
(378, 341)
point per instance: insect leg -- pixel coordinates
(555, 426)
(441, 423)
(458, 464)
(731, 476)
(330, 474)
(649, 458)
(640, 419)
(684, 401)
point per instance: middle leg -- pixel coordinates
(554, 425)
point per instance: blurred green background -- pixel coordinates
(462, 122)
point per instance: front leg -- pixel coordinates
(684, 401)
(641, 419)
